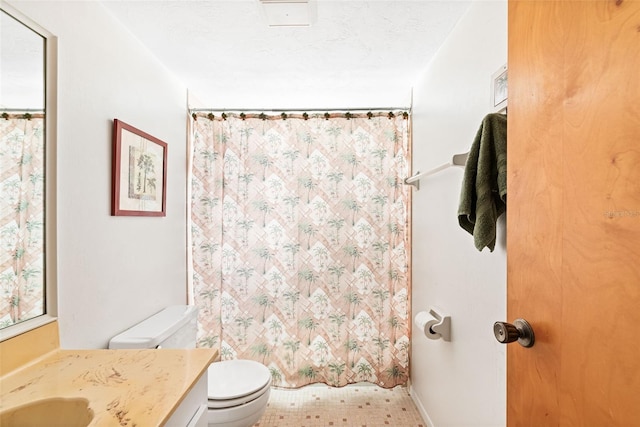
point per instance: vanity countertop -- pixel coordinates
(124, 387)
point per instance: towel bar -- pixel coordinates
(456, 160)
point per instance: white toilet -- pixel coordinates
(238, 389)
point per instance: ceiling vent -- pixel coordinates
(289, 13)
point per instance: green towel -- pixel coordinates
(483, 197)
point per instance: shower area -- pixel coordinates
(300, 242)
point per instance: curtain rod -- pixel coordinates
(270, 110)
(21, 110)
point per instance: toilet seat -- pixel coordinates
(230, 403)
(236, 382)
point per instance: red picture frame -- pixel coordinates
(139, 172)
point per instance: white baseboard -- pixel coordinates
(420, 406)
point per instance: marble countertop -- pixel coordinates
(123, 387)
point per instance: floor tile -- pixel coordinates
(354, 406)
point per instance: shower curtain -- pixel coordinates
(21, 217)
(300, 243)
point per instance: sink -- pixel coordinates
(57, 411)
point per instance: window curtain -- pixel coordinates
(21, 217)
(300, 243)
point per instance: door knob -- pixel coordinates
(520, 331)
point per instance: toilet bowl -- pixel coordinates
(238, 390)
(238, 393)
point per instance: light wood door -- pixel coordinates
(573, 217)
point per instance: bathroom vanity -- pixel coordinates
(101, 387)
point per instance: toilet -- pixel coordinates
(238, 389)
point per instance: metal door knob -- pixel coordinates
(519, 331)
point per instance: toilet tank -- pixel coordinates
(173, 327)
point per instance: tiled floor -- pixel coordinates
(354, 405)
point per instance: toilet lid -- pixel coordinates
(231, 379)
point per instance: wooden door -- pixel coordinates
(573, 217)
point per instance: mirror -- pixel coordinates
(24, 165)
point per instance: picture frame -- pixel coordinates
(139, 172)
(499, 86)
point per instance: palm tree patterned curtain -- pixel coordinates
(300, 243)
(21, 217)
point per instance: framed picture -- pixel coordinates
(139, 173)
(499, 89)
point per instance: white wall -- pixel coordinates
(461, 383)
(112, 271)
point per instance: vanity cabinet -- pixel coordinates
(192, 411)
(146, 387)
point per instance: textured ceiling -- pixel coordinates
(357, 53)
